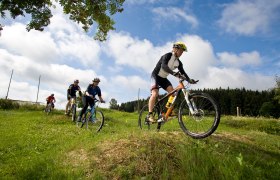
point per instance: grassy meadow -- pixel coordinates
(36, 146)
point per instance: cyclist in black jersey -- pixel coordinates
(165, 66)
(88, 99)
(71, 93)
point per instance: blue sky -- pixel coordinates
(231, 43)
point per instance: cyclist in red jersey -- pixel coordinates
(51, 99)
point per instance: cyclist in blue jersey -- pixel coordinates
(88, 100)
(71, 93)
(165, 66)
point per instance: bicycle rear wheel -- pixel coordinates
(95, 123)
(143, 121)
(74, 112)
(205, 121)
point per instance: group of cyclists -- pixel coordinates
(165, 66)
(87, 97)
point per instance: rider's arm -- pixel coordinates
(101, 99)
(100, 96)
(182, 71)
(88, 90)
(69, 90)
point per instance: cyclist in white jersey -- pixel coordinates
(165, 66)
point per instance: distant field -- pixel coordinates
(36, 146)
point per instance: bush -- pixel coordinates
(32, 107)
(269, 109)
(8, 104)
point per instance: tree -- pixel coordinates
(114, 104)
(85, 12)
(277, 89)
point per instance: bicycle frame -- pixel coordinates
(176, 91)
(96, 103)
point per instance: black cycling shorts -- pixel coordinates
(157, 81)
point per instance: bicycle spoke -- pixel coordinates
(95, 122)
(204, 121)
(143, 121)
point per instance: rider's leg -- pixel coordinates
(91, 104)
(152, 100)
(169, 89)
(67, 105)
(86, 103)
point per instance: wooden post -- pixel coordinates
(38, 89)
(138, 105)
(238, 111)
(9, 84)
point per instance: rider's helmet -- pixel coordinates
(52, 94)
(180, 45)
(76, 81)
(96, 80)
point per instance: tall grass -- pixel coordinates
(36, 146)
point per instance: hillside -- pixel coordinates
(36, 146)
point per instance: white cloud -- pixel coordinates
(245, 58)
(248, 17)
(17, 40)
(199, 57)
(235, 78)
(125, 88)
(174, 14)
(135, 53)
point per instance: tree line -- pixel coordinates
(251, 103)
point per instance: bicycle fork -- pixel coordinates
(190, 102)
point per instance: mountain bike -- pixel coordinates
(93, 119)
(72, 108)
(49, 108)
(198, 114)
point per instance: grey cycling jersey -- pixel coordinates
(167, 64)
(172, 64)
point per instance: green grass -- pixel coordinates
(36, 146)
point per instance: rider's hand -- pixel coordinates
(176, 74)
(192, 81)
(102, 101)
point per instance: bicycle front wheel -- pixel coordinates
(204, 121)
(95, 121)
(143, 121)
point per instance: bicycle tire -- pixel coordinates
(143, 122)
(203, 123)
(81, 122)
(48, 109)
(97, 124)
(74, 109)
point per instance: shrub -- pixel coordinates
(270, 109)
(8, 104)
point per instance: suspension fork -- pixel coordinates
(190, 102)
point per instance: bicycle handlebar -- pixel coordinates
(183, 78)
(96, 100)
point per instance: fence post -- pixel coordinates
(238, 111)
